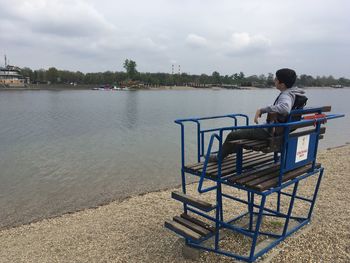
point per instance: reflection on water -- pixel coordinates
(131, 109)
(66, 150)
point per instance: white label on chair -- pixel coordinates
(302, 148)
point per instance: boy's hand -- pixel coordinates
(257, 116)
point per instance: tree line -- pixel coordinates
(56, 76)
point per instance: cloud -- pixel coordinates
(73, 27)
(196, 41)
(244, 44)
(74, 18)
(96, 34)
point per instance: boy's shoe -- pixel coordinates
(213, 158)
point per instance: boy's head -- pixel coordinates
(286, 76)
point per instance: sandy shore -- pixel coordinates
(132, 230)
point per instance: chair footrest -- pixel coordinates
(195, 202)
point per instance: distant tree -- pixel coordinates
(52, 75)
(108, 77)
(204, 79)
(238, 78)
(306, 80)
(330, 80)
(241, 75)
(185, 78)
(120, 76)
(130, 67)
(79, 77)
(226, 79)
(216, 77)
(35, 76)
(250, 81)
(262, 78)
(41, 76)
(27, 72)
(270, 80)
(64, 76)
(344, 81)
(235, 78)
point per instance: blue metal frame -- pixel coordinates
(254, 210)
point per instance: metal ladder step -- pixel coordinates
(199, 222)
(195, 202)
(194, 227)
(182, 230)
(190, 227)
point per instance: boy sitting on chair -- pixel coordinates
(284, 81)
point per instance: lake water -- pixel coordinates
(62, 151)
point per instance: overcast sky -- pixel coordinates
(253, 36)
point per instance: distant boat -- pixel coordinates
(109, 88)
(338, 86)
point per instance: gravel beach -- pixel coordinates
(133, 230)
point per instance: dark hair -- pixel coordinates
(286, 76)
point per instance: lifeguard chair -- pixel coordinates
(266, 171)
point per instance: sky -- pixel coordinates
(228, 36)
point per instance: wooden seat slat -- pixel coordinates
(230, 159)
(232, 167)
(250, 164)
(224, 165)
(266, 177)
(259, 168)
(241, 179)
(199, 165)
(260, 179)
(228, 165)
(286, 177)
(214, 165)
(195, 166)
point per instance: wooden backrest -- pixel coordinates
(273, 117)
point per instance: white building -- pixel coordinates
(11, 76)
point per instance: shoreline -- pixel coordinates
(58, 87)
(90, 87)
(131, 230)
(124, 198)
